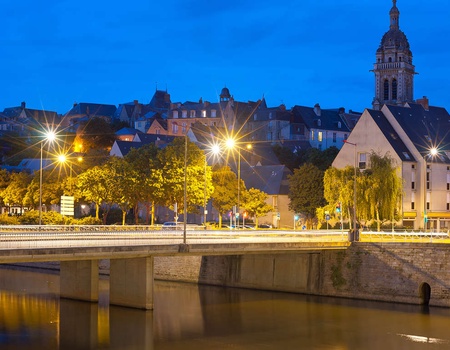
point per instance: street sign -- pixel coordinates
(67, 204)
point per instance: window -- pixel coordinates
(394, 89)
(413, 201)
(319, 136)
(192, 114)
(174, 128)
(428, 200)
(448, 201)
(386, 90)
(158, 131)
(362, 160)
(413, 180)
(255, 116)
(183, 128)
(203, 114)
(183, 114)
(428, 177)
(175, 114)
(213, 113)
(312, 135)
(334, 137)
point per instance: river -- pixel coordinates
(188, 316)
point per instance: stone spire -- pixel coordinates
(394, 71)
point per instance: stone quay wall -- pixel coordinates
(415, 273)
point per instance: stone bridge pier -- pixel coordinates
(131, 281)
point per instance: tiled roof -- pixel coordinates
(425, 128)
(391, 135)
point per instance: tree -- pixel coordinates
(16, 190)
(338, 188)
(225, 191)
(378, 190)
(124, 179)
(383, 189)
(145, 161)
(306, 190)
(198, 184)
(96, 133)
(5, 178)
(94, 186)
(254, 202)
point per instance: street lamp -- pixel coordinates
(231, 144)
(355, 236)
(50, 136)
(431, 153)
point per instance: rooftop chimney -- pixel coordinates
(424, 102)
(317, 109)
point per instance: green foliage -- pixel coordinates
(254, 202)
(5, 219)
(88, 220)
(171, 172)
(306, 190)
(48, 218)
(378, 190)
(96, 133)
(225, 191)
(16, 190)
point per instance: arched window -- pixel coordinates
(390, 59)
(386, 90)
(394, 89)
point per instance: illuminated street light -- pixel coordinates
(231, 145)
(50, 136)
(426, 186)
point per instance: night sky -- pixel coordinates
(291, 52)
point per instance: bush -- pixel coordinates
(48, 218)
(5, 219)
(88, 220)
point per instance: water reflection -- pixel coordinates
(188, 316)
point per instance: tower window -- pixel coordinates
(386, 90)
(394, 89)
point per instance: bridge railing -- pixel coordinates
(77, 228)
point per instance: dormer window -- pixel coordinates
(213, 113)
(339, 125)
(192, 114)
(184, 114)
(175, 114)
(319, 122)
(203, 114)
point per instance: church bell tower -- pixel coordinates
(394, 71)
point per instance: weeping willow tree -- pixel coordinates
(383, 189)
(338, 188)
(378, 190)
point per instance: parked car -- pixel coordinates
(265, 226)
(172, 226)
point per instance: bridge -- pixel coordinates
(131, 254)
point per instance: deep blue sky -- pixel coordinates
(56, 52)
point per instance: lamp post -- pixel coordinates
(49, 137)
(431, 153)
(355, 236)
(231, 144)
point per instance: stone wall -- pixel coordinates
(394, 272)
